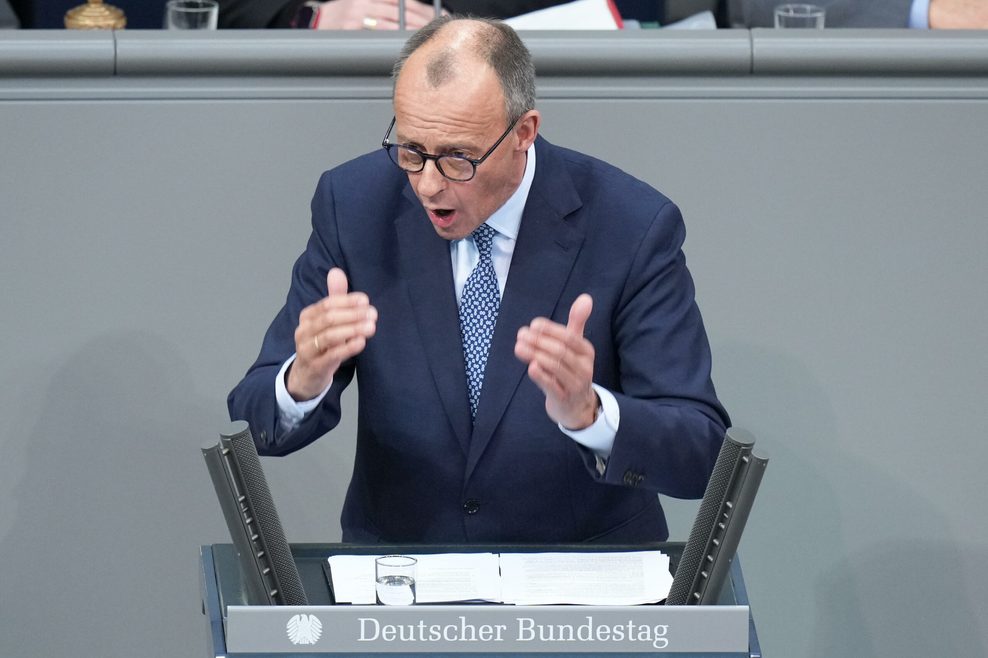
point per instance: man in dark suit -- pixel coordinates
(474, 241)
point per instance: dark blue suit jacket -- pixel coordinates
(423, 473)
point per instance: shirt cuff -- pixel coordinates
(919, 15)
(290, 411)
(599, 437)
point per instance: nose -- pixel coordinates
(429, 182)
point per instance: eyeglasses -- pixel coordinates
(457, 168)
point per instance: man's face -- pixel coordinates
(464, 116)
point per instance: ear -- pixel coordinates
(527, 129)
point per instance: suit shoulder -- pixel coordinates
(588, 169)
(603, 185)
(370, 166)
(370, 181)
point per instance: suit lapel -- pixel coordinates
(428, 277)
(549, 240)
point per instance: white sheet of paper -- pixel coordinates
(458, 577)
(619, 578)
(703, 21)
(576, 15)
(439, 578)
(578, 578)
(353, 578)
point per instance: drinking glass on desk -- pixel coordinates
(800, 15)
(191, 14)
(395, 575)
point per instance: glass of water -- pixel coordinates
(800, 15)
(191, 14)
(395, 575)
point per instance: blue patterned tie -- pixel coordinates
(478, 314)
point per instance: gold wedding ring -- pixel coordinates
(370, 23)
(315, 341)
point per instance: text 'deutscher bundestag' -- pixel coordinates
(487, 628)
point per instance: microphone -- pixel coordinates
(270, 574)
(726, 504)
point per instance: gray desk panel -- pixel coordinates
(55, 52)
(869, 52)
(635, 53)
(251, 53)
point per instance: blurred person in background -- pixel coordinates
(921, 14)
(360, 14)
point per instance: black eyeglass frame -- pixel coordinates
(387, 146)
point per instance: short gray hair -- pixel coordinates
(495, 43)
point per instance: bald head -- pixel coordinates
(451, 47)
(440, 66)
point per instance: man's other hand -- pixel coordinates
(560, 362)
(329, 332)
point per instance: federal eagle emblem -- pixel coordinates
(304, 629)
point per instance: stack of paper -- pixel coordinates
(577, 578)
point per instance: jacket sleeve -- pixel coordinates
(672, 424)
(253, 399)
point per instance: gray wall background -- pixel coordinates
(154, 193)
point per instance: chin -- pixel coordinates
(457, 230)
(445, 232)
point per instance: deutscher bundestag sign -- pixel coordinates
(486, 628)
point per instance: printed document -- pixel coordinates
(576, 578)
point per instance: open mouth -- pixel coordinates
(442, 217)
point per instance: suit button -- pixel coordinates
(264, 435)
(472, 506)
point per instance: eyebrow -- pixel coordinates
(444, 148)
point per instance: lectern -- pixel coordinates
(236, 630)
